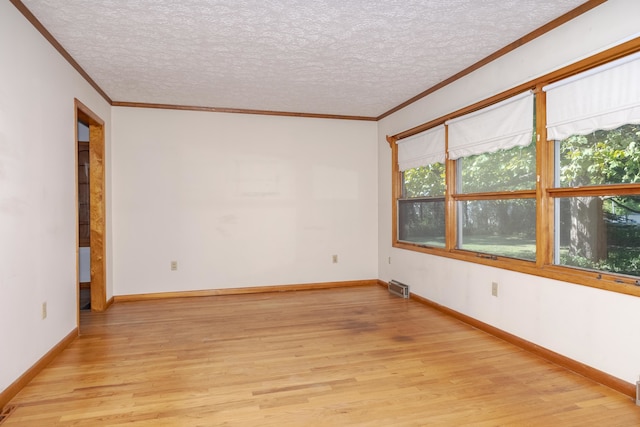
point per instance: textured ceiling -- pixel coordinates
(345, 57)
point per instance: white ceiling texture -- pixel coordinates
(338, 57)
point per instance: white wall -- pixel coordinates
(37, 193)
(593, 326)
(241, 200)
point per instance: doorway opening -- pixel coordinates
(84, 217)
(90, 182)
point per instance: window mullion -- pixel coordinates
(396, 187)
(596, 190)
(544, 174)
(497, 195)
(451, 176)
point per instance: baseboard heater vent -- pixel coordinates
(399, 289)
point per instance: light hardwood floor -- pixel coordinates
(352, 356)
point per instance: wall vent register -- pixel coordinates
(399, 289)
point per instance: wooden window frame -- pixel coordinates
(440, 198)
(545, 193)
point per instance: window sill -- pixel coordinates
(600, 280)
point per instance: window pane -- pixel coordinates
(601, 157)
(499, 227)
(421, 221)
(425, 181)
(504, 170)
(599, 233)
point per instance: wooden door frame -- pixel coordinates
(97, 207)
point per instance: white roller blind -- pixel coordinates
(504, 125)
(422, 149)
(603, 98)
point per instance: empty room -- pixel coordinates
(290, 213)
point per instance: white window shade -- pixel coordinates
(603, 98)
(422, 149)
(501, 126)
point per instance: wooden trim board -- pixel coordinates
(560, 360)
(241, 111)
(57, 46)
(585, 7)
(9, 393)
(97, 205)
(248, 290)
(553, 357)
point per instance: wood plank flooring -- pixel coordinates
(339, 357)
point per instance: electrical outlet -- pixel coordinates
(174, 265)
(334, 258)
(44, 310)
(389, 260)
(494, 289)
